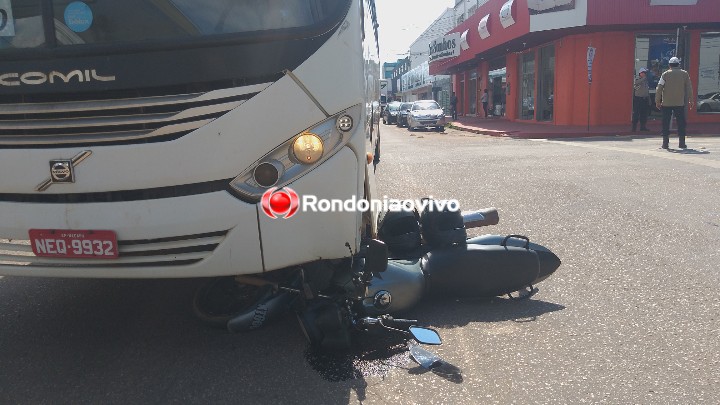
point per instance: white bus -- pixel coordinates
(138, 137)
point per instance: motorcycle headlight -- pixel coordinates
(296, 156)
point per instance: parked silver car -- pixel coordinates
(425, 114)
(709, 104)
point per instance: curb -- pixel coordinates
(547, 135)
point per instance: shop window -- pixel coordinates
(527, 88)
(546, 85)
(653, 51)
(708, 88)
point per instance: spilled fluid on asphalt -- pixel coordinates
(369, 357)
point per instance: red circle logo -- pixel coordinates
(284, 202)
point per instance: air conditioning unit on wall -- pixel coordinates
(542, 5)
(673, 2)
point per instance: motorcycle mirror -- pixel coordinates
(425, 336)
(376, 258)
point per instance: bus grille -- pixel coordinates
(114, 117)
(173, 251)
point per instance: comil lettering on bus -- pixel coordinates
(37, 78)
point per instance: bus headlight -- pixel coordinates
(307, 148)
(295, 157)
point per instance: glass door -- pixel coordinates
(546, 85)
(472, 92)
(461, 96)
(527, 88)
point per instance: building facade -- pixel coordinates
(402, 66)
(387, 69)
(573, 62)
(417, 83)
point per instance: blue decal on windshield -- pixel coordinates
(78, 16)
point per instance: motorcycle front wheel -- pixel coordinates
(219, 299)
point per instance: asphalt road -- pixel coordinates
(632, 315)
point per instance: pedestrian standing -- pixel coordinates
(453, 105)
(673, 93)
(484, 100)
(641, 101)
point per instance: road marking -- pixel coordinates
(679, 156)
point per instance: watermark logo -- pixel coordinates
(280, 203)
(286, 203)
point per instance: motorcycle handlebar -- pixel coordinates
(484, 217)
(387, 322)
(400, 323)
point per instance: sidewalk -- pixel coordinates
(527, 130)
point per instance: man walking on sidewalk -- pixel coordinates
(673, 92)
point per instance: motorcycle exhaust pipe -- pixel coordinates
(484, 217)
(265, 310)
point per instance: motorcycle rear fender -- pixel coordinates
(479, 270)
(549, 262)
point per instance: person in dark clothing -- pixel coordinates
(484, 100)
(673, 94)
(453, 104)
(641, 101)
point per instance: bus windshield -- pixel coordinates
(107, 21)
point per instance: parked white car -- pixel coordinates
(424, 114)
(709, 104)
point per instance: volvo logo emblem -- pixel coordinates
(62, 171)
(382, 299)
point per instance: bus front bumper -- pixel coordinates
(212, 234)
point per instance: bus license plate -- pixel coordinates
(74, 244)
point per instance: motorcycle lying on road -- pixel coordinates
(416, 255)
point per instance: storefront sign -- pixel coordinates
(673, 2)
(416, 78)
(483, 28)
(590, 59)
(506, 17)
(445, 47)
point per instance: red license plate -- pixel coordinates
(74, 244)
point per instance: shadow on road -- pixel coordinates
(689, 151)
(458, 313)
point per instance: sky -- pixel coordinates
(402, 21)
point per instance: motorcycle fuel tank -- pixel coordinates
(396, 289)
